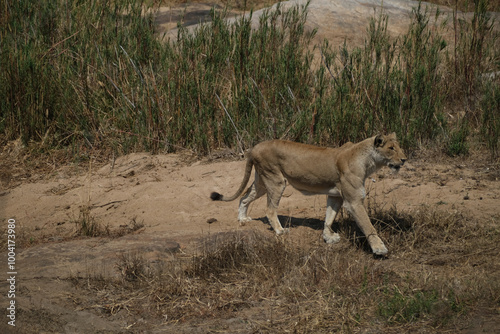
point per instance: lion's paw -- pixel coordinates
(244, 220)
(377, 245)
(282, 231)
(380, 250)
(331, 238)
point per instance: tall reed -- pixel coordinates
(94, 75)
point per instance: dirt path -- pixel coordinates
(170, 196)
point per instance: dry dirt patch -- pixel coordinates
(168, 195)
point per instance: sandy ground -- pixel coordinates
(169, 195)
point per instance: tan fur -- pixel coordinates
(339, 173)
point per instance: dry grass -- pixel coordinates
(442, 267)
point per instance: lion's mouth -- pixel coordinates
(395, 168)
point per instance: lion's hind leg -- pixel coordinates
(253, 192)
(275, 185)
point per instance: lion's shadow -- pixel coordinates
(385, 222)
(313, 223)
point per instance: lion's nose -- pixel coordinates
(403, 160)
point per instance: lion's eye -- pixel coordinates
(392, 148)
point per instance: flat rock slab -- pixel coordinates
(335, 20)
(74, 258)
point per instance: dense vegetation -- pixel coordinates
(88, 75)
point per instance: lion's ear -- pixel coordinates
(392, 135)
(379, 140)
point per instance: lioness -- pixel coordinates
(339, 173)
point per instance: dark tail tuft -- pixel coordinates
(216, 196)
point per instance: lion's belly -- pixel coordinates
(308, 189)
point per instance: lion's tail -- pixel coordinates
(248, 171)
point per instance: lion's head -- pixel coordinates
(390, 151)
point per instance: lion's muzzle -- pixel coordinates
(396, 166)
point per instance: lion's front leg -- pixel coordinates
(357, 209)
(333, 205)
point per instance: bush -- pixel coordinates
(490, 129)
(457, 141)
